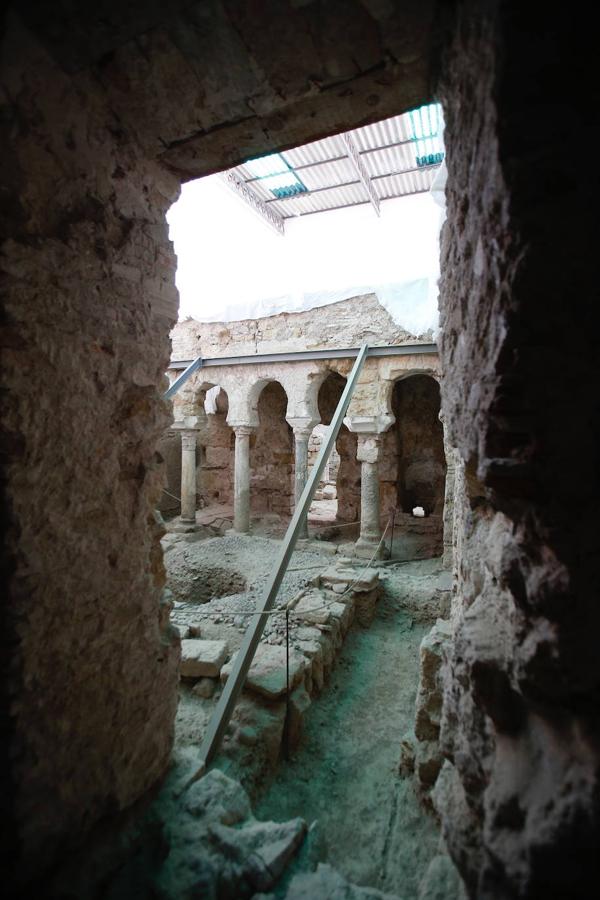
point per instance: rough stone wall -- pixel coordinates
(412, 464)
(217, 467)
(347, 469)
(93, 94)
(330, 473)
(348, 480)
(89, 296)
(520, 725)
(272, 455)
(345, 324)
(169, 448)
(419, 445)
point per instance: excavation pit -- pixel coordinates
(206, 585)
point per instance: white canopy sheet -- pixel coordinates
(231, 266)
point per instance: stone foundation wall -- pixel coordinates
(272, 455)
(520, 727)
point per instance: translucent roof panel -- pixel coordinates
(389, 159)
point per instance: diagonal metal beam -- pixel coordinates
(361, 170)
(268, 215)
(235, 682)
(181, 380)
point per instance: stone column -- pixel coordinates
(188, 476)
(241, 492)
(369, 430)
(301, 436)
(302, 427)
(370, 525)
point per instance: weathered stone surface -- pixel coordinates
(205, 688)
(313, 608)
(441, 880)
(267, 674)
(520, 719)
(298, 707)
(201, 658)
(430, 692)
(326, 882)
(366, 605)
(346, 576)
(217, 848)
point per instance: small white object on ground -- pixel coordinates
(418, 511)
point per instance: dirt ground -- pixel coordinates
(345, 772)
(343, 777)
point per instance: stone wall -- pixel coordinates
(347, 470)
(100, 105)
(169, 448)
(89, 297)
(519, 795)
(412, 466)
(347, 323)
(216, 453)
(272, 455)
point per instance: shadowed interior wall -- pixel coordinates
(89, 299)
(217, 467)
(348, 472)
(520, 720)
(419, 445)
(169, 447)
(272, 455)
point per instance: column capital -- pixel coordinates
(243, 430)
(368, 447)
(302, 425)
(187, 423)
(369, 425)
(189, 438)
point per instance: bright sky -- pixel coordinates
(231, 265)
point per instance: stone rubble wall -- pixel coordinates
(518, 794)
(89, 297)
(216, 449)
(347, 323)
(272, 455)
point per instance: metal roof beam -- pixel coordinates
(334, 159)
(268, 215)
(344, 184)
(361, 170)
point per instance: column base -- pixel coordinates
(365, 548)
(182, 526)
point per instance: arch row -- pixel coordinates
(248, 435)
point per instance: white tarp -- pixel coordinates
(231, 266)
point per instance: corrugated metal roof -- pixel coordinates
(387, 150)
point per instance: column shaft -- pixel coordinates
(301, 472)
(241, 496)
(188, 476)
(370, 527)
